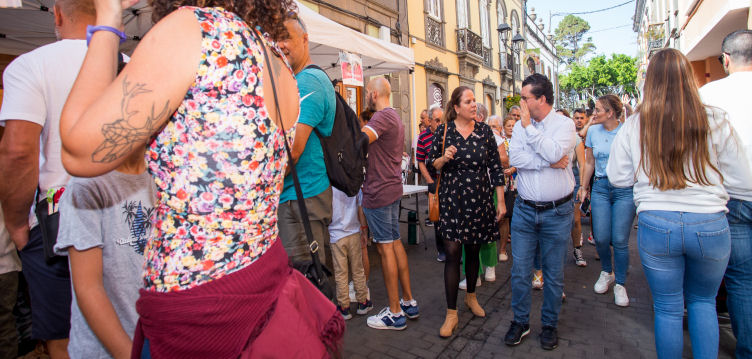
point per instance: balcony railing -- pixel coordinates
(434, 32)
(469, 42)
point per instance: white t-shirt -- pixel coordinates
(724, 151)
(731, 94)
(36, 85)
(499, 139)
(344, 215)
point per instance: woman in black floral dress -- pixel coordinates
(470, 171)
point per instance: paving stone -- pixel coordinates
(590, 325)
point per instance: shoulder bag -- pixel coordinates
(433, 200)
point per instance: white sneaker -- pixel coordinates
(387, 320)
(352, 293)
(463, 284)
(490, 275)
(604, 281)
(579, 259)
(620, 296)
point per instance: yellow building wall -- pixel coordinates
(448, 55)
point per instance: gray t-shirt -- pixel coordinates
(115, 212)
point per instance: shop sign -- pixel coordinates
(352, 68)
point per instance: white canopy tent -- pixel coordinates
(32, 25)
(327, 38)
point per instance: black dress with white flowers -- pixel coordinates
(467, 212)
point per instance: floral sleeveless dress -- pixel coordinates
(218, 164)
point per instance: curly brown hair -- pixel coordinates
(270, 15)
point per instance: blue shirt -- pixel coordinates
(317, 108)
(600, 141)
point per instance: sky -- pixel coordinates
(611, 30)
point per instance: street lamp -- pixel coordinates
(517, 41)
(504, 29)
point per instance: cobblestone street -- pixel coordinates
(590, 324)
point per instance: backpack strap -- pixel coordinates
(316, 130)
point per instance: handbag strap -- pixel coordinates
(313, 245)
(443, 142)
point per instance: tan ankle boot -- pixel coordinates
(450, 324)
(472, 302)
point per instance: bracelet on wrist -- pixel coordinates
(363, 227)
(90, 30)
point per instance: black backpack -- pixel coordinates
(346, 150)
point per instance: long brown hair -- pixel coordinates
(673, 125)
(270, 15)
(449, 113)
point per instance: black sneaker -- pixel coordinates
(345, 312)
(365, 307)
(548, 338)
(515, 333)
(429, 223)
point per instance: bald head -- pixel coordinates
(380, 86)
(72, 17)
(76, 10)
(377, 94)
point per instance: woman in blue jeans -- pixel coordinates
(613, 209)
(678, 155)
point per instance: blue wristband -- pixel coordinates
(90, 30)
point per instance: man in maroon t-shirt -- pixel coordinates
(382, 191)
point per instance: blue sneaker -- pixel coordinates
(365, 307)
(387, 320)
(410, 308)
(345, 312)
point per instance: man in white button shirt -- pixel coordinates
(732, 95)
(540, 150)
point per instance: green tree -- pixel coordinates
(571, 44)
(616, 75)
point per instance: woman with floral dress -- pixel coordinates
(466, 154)
(198, 94)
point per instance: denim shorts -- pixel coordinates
(383, 222)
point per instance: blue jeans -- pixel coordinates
(613, 212)
(684, 256)
(739, 275)
(549, 229)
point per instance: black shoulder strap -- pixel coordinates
(316, 130)
(314, 66)
(313, 246)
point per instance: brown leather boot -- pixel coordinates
(472, 302)
(450, 324)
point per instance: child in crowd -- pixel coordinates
(346, 233)
(105, 223)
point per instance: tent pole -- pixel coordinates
(413, 125)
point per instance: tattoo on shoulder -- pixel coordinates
(121, 135)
